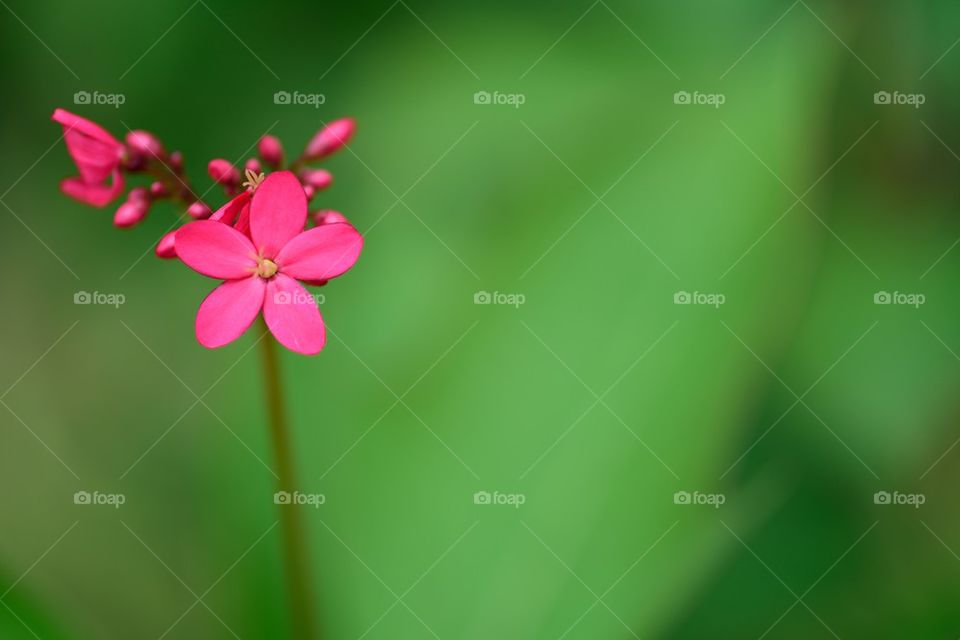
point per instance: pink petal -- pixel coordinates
(292, 315)
(98, 195)
(216, 250)
(229, 310)
(84, 126)
(278, 212)
(321, 253)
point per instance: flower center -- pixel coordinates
(266, 268)
(253, 180)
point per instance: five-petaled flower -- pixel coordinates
(261, 270)
(98, 156)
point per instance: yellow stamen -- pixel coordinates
(253, 180)
(266, 268)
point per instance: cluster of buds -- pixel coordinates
(103, 163)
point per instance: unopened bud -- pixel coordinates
(271, 151)
(328, 216)
(319, 179)
(145, 143)
(176, 161)
(131, 212)
(199, 211)
(158, 190)
(253, 166)
(330, 138)
(165, 248)
(223, 172)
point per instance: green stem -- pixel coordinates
(296, 558)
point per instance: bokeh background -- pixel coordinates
(597, 200)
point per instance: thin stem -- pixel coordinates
(296, 558)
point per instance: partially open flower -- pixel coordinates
(97, 155)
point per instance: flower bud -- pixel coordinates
(330, 138)
(144, 143)
(309, 191)
(199, 211)
(165, 248)
(176, 161)
(133, 210)
(158, 190)
(328, 216)
(319, 179)
(253, 165)
(223, 172)
(271, 151)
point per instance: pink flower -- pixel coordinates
(97, 155)
(262, 271)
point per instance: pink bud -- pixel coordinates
(158, 190)
(328, 216)
(309, 191)
(145, 143)
(139, 194)
(199, 211)
(252, 165)
(330, 138)
(223, 172)
(271, 151)
(131, 212)
(165, 248)
(319, 179)
(176, 161)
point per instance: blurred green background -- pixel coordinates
(599, 199)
